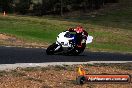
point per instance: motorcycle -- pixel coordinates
(66, 44)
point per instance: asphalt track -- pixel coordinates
(12, 55)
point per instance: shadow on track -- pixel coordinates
(12, 55)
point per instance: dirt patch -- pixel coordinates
(58, 77)
(9, 40)
(4, 37)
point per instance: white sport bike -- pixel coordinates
(66, 44)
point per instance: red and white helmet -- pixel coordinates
(79, 29)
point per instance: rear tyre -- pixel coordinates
(78, 50)
(51, 49)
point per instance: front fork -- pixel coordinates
(58, 47)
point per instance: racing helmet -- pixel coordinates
(79, 29)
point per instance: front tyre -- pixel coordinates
(51, 49)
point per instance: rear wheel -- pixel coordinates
(51, 49)
(78, 50)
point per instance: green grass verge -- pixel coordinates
(29, 29)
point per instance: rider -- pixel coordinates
(81, 35)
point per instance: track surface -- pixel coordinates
(12, 55)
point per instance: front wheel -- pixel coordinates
(51, 49)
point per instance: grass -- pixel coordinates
(3, 73)
(29, 69)
(44, 69)
(121, 18)
(125, 66)
(63, 67)
(15, 73)
(30, 29)
(111, 31)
